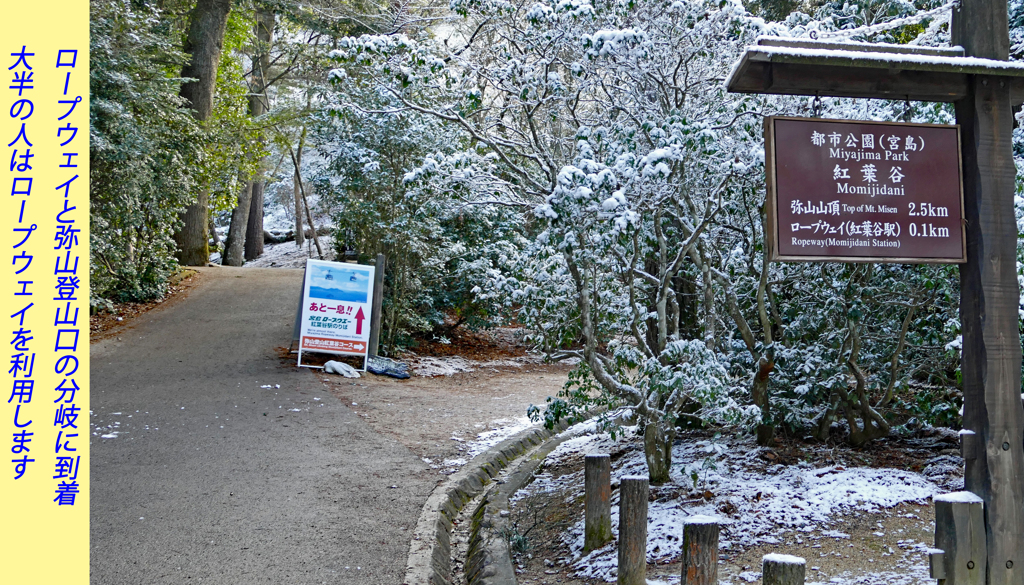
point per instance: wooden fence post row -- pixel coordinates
(597, 483)
(633, 492)
(782, 570)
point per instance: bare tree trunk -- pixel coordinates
(204, 43)
(254, 225)
(305, 203)
(297, 185)
(233, 245)
(874, 425)
(658, 451)
(765, 365)
(710, 316)
(759, 394)
(213, 232)
(894, 361)
(258, 105)
(300, 238)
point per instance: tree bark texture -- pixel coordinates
(597, 529)
(254, 224)
(258, 105)
(305, 203)
(297, 186)
(989, 294)
(213, 232)
(658, 451)
(234, 252)
(700, 552)
(203, 44)
(759, 394)
(299, 238)
(633, 493)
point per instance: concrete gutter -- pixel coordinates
(489, 560)
(430, 551)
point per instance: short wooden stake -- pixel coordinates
(782, 570)
(375, 309)
(960, 534)
(597, 484)
(700, 550)
(633, 493)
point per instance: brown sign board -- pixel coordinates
(858, 191)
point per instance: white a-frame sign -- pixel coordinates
(335, 309)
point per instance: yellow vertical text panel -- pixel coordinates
(44, 288)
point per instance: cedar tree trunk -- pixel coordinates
(258, 106)
(204, 43)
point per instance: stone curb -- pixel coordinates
(489, 560)
(430, 550)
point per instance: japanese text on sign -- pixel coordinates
(858, 191)
(336, 309)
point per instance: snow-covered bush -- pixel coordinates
(643, 180)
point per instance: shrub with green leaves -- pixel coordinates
(145, 150)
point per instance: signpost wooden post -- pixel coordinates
(989, 293)
(984, 86)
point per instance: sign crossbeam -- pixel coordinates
(866, 70)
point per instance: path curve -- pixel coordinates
(214, 477)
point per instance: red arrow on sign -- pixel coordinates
(359, 321)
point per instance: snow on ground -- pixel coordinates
(447, 366)
(499, 430)
(765, 502)
(288, 255)
(279, 217)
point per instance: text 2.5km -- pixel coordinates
(927, 210)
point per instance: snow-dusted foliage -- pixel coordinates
(145, 153)
(642, 184)
(374, 182)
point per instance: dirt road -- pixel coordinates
(212, 462)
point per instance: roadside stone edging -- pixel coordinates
(430, 551)
(489, 560)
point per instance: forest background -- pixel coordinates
(575, 167)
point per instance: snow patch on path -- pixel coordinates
(448, 366)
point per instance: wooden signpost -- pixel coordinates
(984, 86)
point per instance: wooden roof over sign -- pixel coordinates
(865, 70)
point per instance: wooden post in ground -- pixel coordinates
(700, 551)
(989, 294)
(597, 484)
(633, 493)
(960, 534)
(378, 299)
(782, 570)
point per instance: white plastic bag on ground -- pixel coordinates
(333, 367)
